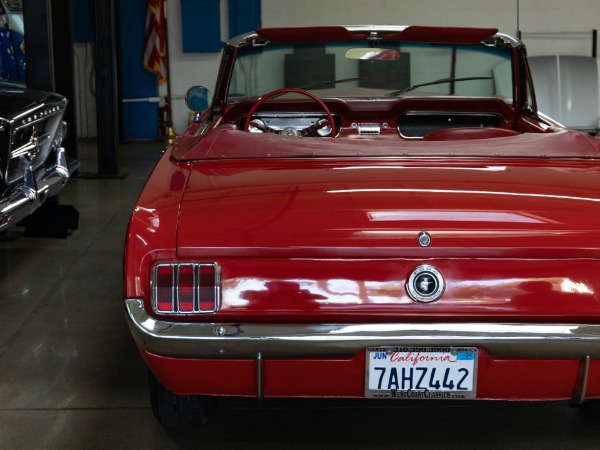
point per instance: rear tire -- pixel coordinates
(179, 411)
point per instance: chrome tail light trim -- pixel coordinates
(200, 289)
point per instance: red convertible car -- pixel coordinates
(368, 212)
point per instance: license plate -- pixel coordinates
(421, 372)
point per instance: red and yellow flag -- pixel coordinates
(155, 52)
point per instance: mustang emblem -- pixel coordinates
(425, 284)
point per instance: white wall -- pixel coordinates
(548, 26)
(189, 69)
(85, 87)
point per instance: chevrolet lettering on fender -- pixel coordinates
(368, 212)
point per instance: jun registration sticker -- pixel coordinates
(421, 372)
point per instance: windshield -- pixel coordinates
(395, 69)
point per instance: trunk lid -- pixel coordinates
(377, 208)
(336, 239)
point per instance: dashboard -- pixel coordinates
(414, 119)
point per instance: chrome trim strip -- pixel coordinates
(508, 39)
(223, 340)
(244, 39)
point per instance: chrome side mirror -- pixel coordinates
(198, 98)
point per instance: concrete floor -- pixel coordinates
(70, 376)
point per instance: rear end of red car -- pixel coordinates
(365, 278)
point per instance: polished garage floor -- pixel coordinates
(71, 378)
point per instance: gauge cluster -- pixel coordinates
(292, 124)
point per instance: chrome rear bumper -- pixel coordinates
(215, 340)
(35, 189)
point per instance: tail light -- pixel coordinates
(185, 288)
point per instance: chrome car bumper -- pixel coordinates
(214, 340)
(33, 190)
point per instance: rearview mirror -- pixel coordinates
(373, 54)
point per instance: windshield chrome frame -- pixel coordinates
(254, 39)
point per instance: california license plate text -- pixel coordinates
(415, 372)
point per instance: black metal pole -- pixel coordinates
(64, 78)
(39, 52)
(107, 98)
(49, 45)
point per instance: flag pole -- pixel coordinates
(170, 131)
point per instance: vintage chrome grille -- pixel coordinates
(32, 137)
(186, 288)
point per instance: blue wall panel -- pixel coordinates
(139, 119)
(201, 26)
(244, 16)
